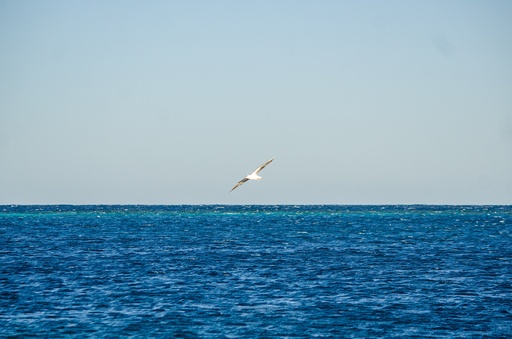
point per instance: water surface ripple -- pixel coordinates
(256, 271)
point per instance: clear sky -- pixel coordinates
(173, 102)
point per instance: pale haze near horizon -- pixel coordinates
(173, 102)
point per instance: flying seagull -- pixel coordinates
(254, 175)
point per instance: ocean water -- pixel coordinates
(256, 271)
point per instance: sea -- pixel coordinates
(226, 271)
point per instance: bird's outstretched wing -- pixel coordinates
(263, 166)
(240, 183)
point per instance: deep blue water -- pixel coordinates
(256, 271)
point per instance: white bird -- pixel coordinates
(254, 175)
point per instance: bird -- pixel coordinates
(254, 175)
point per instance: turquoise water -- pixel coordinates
(256, 271)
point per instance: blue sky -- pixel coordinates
(173, 102)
